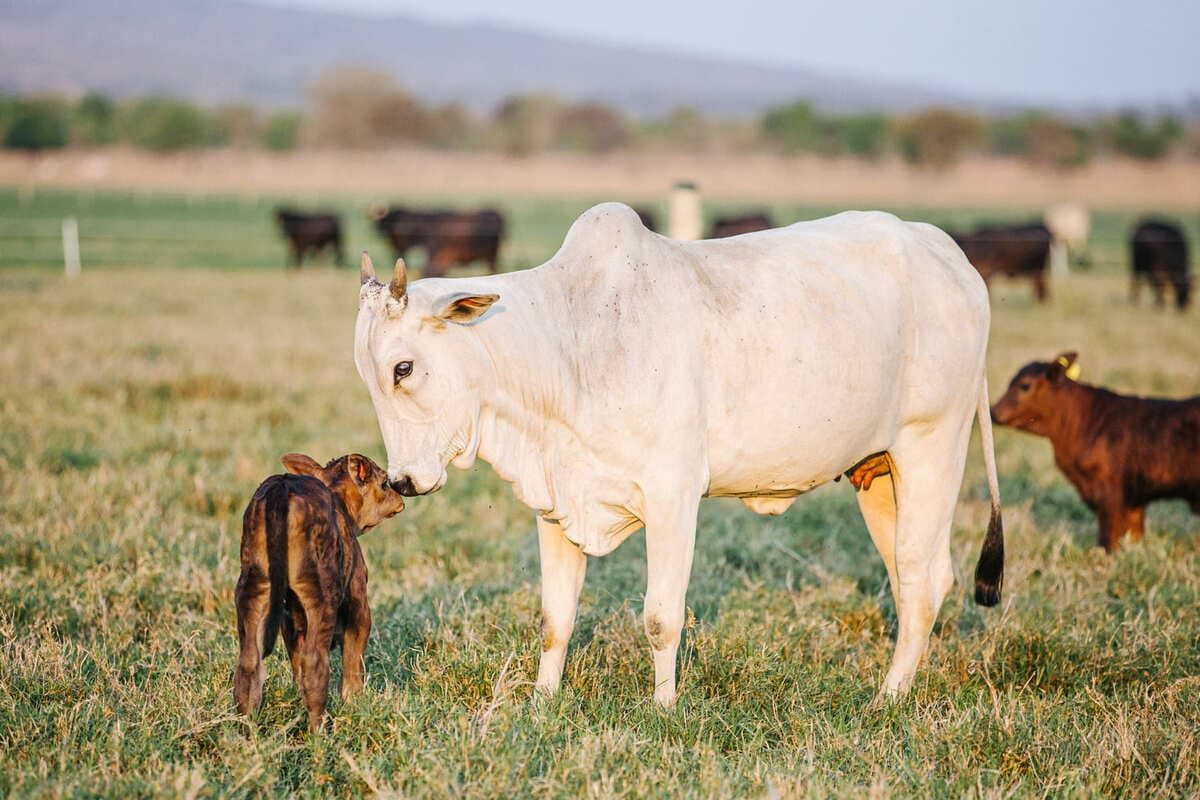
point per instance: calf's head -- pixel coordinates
(361, 484)
(425, 370)
(1034, 397)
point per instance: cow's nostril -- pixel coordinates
(404, 486)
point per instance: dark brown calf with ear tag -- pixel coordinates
(1120, 452)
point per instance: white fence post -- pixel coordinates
(685, 218)
(70, 239)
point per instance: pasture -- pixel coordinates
(143, 402)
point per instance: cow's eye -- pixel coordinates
(403, 370)
(1024, 386)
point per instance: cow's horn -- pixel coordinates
(366, 270)
(399, 281)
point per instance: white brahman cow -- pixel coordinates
(631, 375)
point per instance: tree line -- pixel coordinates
(357, 108)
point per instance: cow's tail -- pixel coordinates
(989, 572)
(276, 523)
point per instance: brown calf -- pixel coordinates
(1120, 452)
(302, 570)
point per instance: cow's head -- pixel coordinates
(1033, 401)
(426, 372)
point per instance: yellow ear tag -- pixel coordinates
(1073, 371)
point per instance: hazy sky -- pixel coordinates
(1072, 51)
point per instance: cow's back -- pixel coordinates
(794, 348)
(847, 328)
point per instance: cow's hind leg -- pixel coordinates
(670, 542)
(928, 473)
(563, 568)
(1041, 289)
(877, 502)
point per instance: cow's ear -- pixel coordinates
(299, 464)
(465, 308)
(1066, 365)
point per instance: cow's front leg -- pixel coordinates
(563, 568)
(670, 542)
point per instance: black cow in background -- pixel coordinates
(1159, 256)
(311, 232)
(405, 228)
(739, 224)
(461, 237)
(450, 238)
(1016, 251)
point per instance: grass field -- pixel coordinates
(232, 231)
(140, 406)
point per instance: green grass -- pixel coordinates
(140, 407)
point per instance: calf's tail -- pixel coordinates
(276, 512)
(989, 572)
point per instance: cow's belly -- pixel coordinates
(783, 449)
(816, 400)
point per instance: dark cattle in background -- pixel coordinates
(647, 218)
(1016, 251)
(1120, 452)
(405, 228)
(311, 232)
(450, 238)
(460, 237)
(734, 225)
(1159, 256)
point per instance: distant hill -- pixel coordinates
(223, 50)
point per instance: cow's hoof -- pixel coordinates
(883, 699)
(665, 698)
(544, 691)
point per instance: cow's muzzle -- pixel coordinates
(404, 486)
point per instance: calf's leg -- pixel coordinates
(253, 599)
(563, 569)
(354, 640)
(314, 661)
(1113, 517)
(1135, 524)
(293, 627)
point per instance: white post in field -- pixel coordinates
(1069, 224)
(70, 237)
(1058, 260)
(685, 218)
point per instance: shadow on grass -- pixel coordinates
(822, 538)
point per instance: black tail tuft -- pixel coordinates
(989, 573)
(277, 562)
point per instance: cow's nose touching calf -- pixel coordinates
(404, 485)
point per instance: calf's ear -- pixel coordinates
(466, 308)
(359, 467)
(299, 464)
